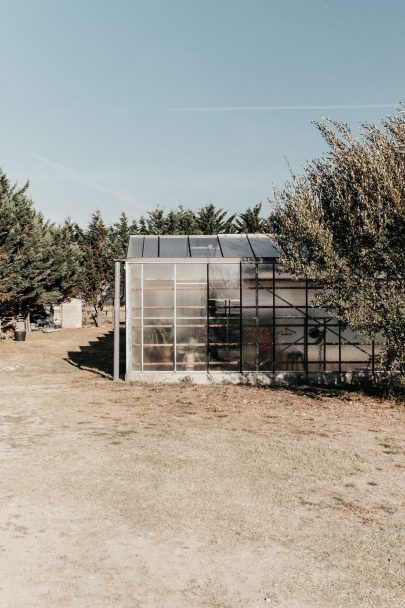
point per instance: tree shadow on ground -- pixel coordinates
(97, 356)
(345, 392)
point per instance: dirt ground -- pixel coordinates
(118, 495)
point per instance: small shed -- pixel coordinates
(219, 309)
(69, 315)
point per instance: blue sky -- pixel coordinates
(130, 104)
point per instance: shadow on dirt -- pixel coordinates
(346, 391)
(97, 356)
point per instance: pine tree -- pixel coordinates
(97, 262)
(24, 259)
(250, 222)
(210, 220)
(154, 223)
(180, 221)
(66, 272)
(119, 235)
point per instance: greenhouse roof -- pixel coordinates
(250, 246)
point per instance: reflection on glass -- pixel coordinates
(191, 274)
(158, 358)
(235, 246)
(173, 247)
(181, 326)
(262, 246)
(205, 247)
(135, 247)
(151, 247)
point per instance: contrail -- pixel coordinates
(279, 108)
(83, 180)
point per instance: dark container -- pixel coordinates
(19, 336)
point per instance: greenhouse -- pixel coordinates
(219, 309)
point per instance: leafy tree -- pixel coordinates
(250, 221)
(343, 223)
(97, 263)
(210, 220)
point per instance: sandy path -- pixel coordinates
(124, 496)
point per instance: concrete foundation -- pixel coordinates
(254, 378)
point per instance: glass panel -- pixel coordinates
(135, 247)
(158, 358)
(289, 345)
(157, 334)
(191, 304)
(136, 349)
(224, 349)
(287, 312)
(248, 284)
(265, 282)
(332, 366)
(134, 280)
(315, 367)
(235, 246)
(191, 274)
(191, 291)
(205, 247)
(173, 247)
(314, 313)
(156, 299)
(263, 247)
(224, 288)
(158, 315)
(257, 339)
(193, 297)
(356, 354)
(191, 317)
(150, 247)
(134, 304)
(316, 354)
(191, 346)
(224, 312)
(158, 276)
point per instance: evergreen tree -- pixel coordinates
(24, 266)
(66, 256)
(97, 263)
(154, 223)
(119, 235)
(250, 221)
(210, 220)
(181, 221)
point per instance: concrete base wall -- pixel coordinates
(252, 378)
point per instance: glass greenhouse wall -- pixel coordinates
(204, 315)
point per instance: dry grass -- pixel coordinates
(183, 496)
